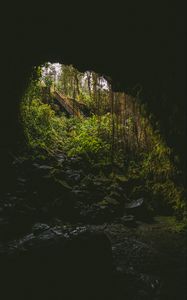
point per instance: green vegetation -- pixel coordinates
(113, 131)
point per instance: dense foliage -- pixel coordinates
(117, 133)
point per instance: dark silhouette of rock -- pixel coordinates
(50, 263)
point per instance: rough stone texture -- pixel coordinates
(55, 263)
(108, 261)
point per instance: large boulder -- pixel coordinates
(56, 263)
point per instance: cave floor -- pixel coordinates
(149, 258)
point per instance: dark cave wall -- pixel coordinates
(141, 44)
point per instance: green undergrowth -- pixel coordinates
(172, 224)
(146, 171)
(52, 134)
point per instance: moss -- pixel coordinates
(172, 224)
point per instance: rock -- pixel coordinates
(109, 201)
(133, 261)
(114, 187)
(60, 158)
(128, 220)
(39, 227)
(131, 253)
(115, 195)
(21, 180)
(42, 167)
(56, 263)
(99, 212)
(134, 203)
(140, 209)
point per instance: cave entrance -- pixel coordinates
(98, 147)
(112, 123)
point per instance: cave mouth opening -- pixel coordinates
(95, 148)
(62, 104)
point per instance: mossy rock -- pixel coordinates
(121, 179)
(108, 201)
(115, 195)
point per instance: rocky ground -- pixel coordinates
(47, 206)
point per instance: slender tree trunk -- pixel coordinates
(113, 126)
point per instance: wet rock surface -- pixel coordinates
(67, 233)
(66, 188)
(56, 263)
(108, 261)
